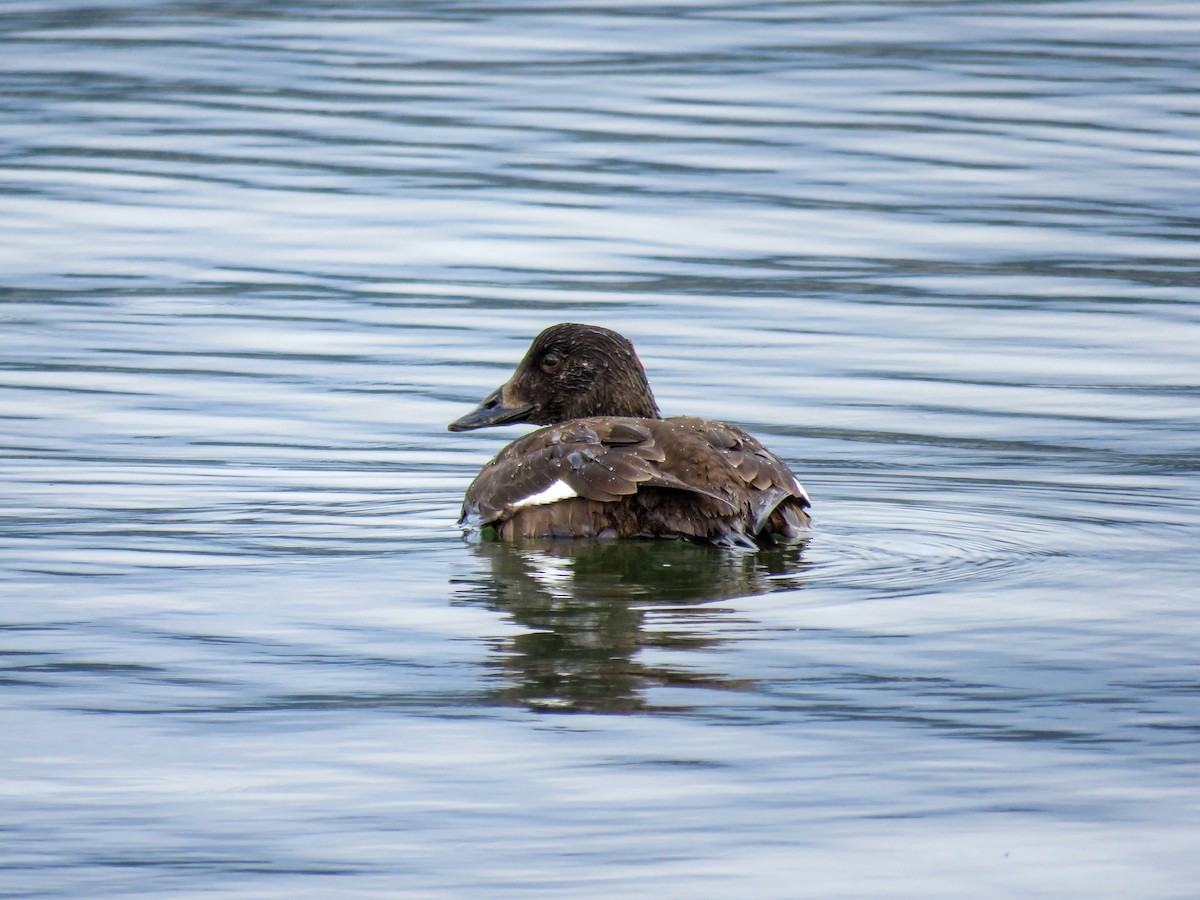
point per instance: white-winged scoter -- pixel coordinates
(609, 465)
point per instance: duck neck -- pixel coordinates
(632, 398)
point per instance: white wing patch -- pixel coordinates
(560, 490)
(800, 489)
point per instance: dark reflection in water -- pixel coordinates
(941, 256)
(586, 605)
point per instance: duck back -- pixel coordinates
(611, 476)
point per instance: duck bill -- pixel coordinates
(492, 411)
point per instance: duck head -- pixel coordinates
(571, 371)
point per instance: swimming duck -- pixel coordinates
(607, 464)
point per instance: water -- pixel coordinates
(941, 257)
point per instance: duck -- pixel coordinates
(606, 464)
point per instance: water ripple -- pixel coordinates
(940, 256)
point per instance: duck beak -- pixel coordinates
(492, 411)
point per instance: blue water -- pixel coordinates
(941, 257)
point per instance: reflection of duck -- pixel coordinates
(610, 466)
(588, 605)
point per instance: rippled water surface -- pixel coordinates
(941, 256)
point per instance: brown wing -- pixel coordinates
(756, 465)
(756, 475)
(600, 458)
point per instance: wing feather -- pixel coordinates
(599, 459)
(755, 464)
(603, 460)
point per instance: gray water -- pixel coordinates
(940, 256)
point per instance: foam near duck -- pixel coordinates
(607, 465)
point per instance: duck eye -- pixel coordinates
(550, 362)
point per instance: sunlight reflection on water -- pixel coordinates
(937, 256)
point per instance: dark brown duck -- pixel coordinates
(609, 465)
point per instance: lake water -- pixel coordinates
(942, 257)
